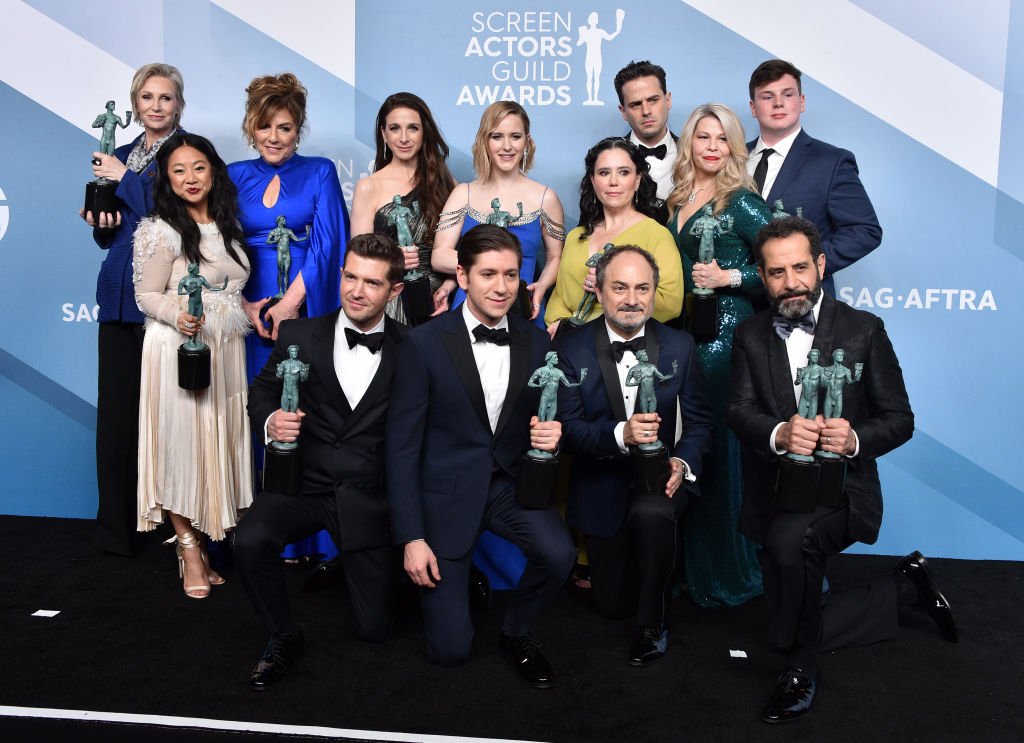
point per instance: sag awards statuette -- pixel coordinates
(101, 194)
(702, 303)
(193, 354)
(779, 210)
(281, 237)
(804, 482)
(501, 218)
(586, 303)
(282, 463)
(651, 468)
(417, 297)
(538, 470)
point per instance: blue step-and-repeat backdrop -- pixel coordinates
(927, 95)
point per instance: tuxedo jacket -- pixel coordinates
(824, 181)
(342, 449)
(762, 396)
(441, 453)
(599, 487)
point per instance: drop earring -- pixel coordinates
(522, 163)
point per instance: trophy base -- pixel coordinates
(193, 367)
(418, 300)
(566, 326)
(651, 469)
(538, 480)
(831, 482)
(282, 470)
(702, 316)
(524, 303)
(796, 485)
(101, 196)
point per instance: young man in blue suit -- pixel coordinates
(821, 180)
(461, 416)
(632, 537)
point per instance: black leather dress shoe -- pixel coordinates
(479, 589)
(281, 653)
(915, 568)
(792, 698)
(649, 646)
(528, 661)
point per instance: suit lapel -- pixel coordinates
(652, 345)
(780, 373)
(825, 328)
(456, 341)
(790, 167)
(609, 373)
(381, 381)
(322, 357)
(518, 371)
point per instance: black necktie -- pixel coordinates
(761, 171)
(658, 152)
(619, 348)
(373, 341)
(497, 336)
(784, 326)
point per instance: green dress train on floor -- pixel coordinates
(721, 564)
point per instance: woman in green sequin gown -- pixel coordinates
(721, 564)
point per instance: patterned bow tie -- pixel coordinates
(497, 336)
(784, 326)
(373, 341)
(619, 348)
(658, 152)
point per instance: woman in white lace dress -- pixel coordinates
(194, 446)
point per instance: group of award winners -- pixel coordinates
(406, 361)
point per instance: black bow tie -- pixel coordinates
(784, 326)
(497, 336)
(373, 341)
(658, 152)
(619, 348)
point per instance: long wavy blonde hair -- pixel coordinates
(730, 179)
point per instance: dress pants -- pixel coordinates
(631, 571)
(793, 564)
(276, 520)
(117, 436)
(550, 554)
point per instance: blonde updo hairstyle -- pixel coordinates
(492, 116)
(268, 95)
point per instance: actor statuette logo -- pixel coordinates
(528, 57)
(5, 214)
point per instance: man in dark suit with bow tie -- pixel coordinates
(644, 103)
(339, 425)
(876, 418)
(821, 180)
(461, 416)
(632, 537)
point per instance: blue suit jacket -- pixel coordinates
(599, 490)
(824, 181)
(440, 451)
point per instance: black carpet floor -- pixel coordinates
(128, 640)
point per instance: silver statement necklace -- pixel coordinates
(693, 195)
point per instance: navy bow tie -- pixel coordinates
(659, 152)
(619, 348)
(373, 341)
(784, 326)
(497, 336)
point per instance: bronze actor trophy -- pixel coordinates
(538, 470)
(832, 466)
(796, 485)
(193, 354)
(586, 302)
(501, 218)
(416, 295)
(702, 303)
(651, 468)
(101, 194)
(281, 237)
(282, 463)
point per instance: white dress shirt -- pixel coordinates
(492, 362)
(775, 160)
(661, 170)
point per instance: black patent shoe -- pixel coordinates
(479, 589)
(529, 663)
(281, 653)
(648, 647)
(792, 698)
(914, 567)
